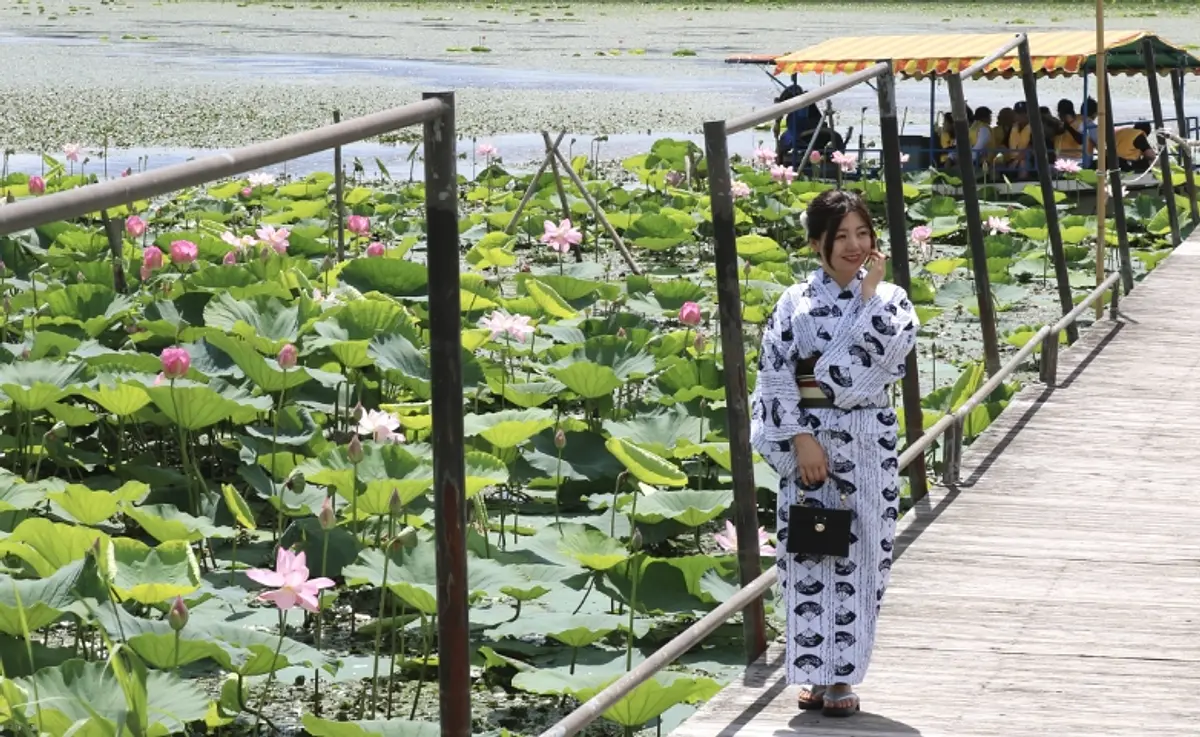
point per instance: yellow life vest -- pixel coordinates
(1125, 148)
(1065, 145)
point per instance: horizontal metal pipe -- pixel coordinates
(778, 110)
(980, 65)
(95, 197)
(591, 709)
(1079, 308)
(1005, 371)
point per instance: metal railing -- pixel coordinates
(748, 599)
(436, 113)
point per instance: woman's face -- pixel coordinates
(851, 245)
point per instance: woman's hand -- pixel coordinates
(810, 459)
(876, 264)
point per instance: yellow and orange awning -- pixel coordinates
(1054, 54)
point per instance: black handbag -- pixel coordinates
(818, 531)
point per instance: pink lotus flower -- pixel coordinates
(276, 239)
(183, 252)
(241, 243)
(739, 189)
(815, 157)
(486, 150)
(764, 156)
(375, 250)
(246, 191)
(135, 226)
(380, 425)
(501, 323)
(998, 225)
(903, 158)
(37, 185)
(673, 178)
(230, 258)
(1065, 166)
(290, 582)
(287, 357)
(783, 174)
(847, 162)
(728, 541)
(689, 314)
(921, 234)
(175, 362)
(358, 225)
(560, 237)
(72, 151)
(152, 258)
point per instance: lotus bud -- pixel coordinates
(354, 451)
(621, 333)
(79, 277)
(560, 439)
(298, 483)
(699, 342)
(746, 269)
(327, 517)
(356, 412)
(59, 430)
(689, 314)
(326, 265)
(635, 541)
(7, 303)
(94, 551)
(395, 505)
(37, 185)
(25, 354)
(2, 267)
(287, 357)
(177, 617)
(407, 536)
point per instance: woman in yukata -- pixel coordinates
(821, 418)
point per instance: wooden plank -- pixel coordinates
(1056, 590)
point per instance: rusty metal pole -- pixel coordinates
(1042, 159)
(1164, 158)
(966, 171)
(733, 349)
(910, 385)
(1188, 164)
(445, 352)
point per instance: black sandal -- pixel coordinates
(811, 697)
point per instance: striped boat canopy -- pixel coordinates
(1057, 54)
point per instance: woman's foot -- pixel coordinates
(811, 697)
(840, 701)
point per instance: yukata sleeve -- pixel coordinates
(863, 359)
(775, 412)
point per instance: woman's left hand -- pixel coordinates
(876, 267)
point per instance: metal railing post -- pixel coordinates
(1048, 365)
(910, 385)
(1189, 165)
(733, 350)
(1164, 158)
(1118, 195)
(1041, 155)
(966, 171)
(445, 353)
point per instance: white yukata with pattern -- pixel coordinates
(832, 604)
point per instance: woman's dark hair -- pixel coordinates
(826, 213)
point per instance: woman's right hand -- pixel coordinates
(810, 459)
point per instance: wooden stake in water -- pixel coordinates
(1102, 145)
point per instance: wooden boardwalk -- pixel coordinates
(1056, 590)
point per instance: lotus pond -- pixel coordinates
(249, 394)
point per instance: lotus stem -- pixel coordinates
(392, 667)
(425, 636)
(383, 591)
(274, 456)
(262, 697)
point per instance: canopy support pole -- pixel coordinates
(966, 171)
(893, 177)
(1188, 164)
(1041, 157)
(1118, 196)
(1164, 157)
